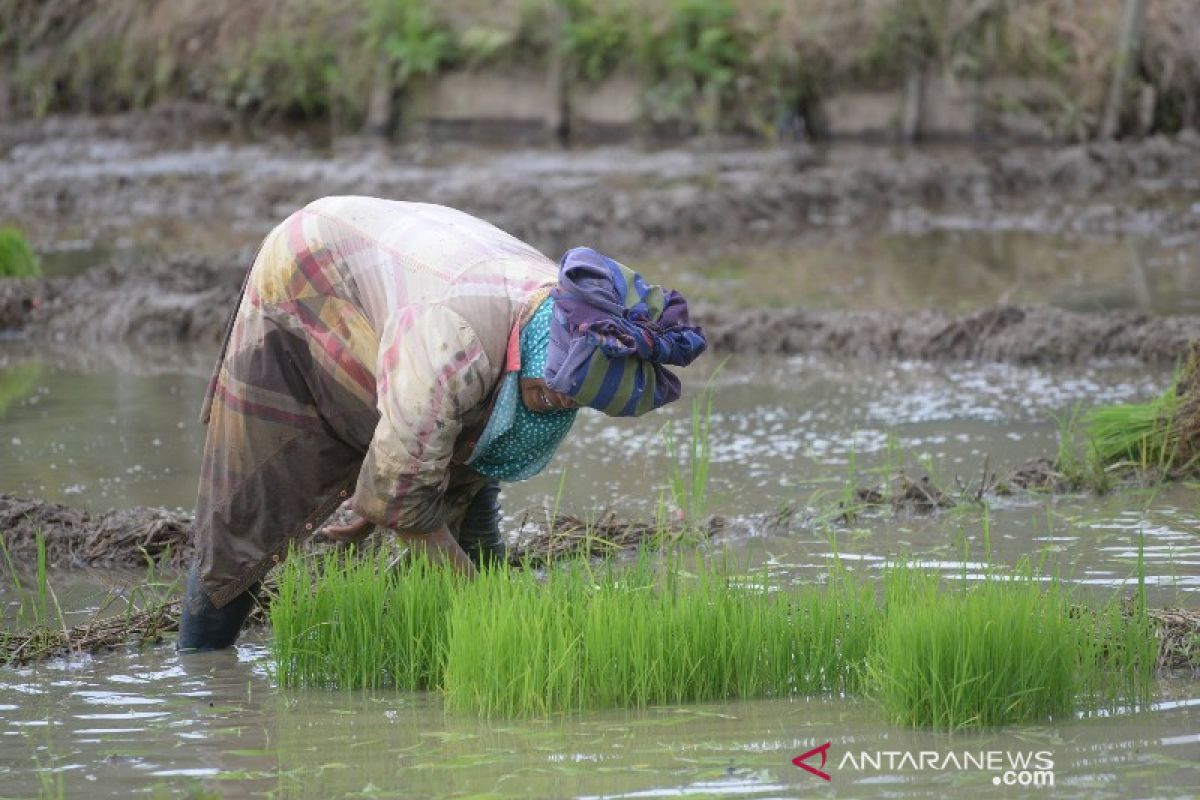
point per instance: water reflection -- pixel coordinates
(946, 266)
(215, 720)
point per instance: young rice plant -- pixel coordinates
(513, 642)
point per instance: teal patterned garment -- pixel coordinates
(517, 443)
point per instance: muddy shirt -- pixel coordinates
(409, 314)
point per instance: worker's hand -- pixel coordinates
(540, 398)
(357, 530)
(439, 547)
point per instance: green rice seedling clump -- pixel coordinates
(17, 259)
(1161, 434)
(1138, 433)
(516, 642)
(1006, 650)
(357, 624)
(608, 637)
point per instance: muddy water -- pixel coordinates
(785, 433)
(155, 723)
(953, 270)
(789, 433)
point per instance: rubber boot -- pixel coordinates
(479, 534)
(203, 626)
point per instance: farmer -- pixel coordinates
(406, 358)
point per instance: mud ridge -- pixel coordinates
(187, 299)
(106, 177)
(136, 537)
(1036, 335)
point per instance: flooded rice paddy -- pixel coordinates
(785, 433)
(115, 429)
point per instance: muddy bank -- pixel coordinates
(70, 178)
(187, 300)
(180, 299)
(1039, 335)
(131, 537)
(136, 537)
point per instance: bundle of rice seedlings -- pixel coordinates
(16, 256)
(1161, 434)
(1007, 650)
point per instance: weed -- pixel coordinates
(407, 35)
(17, 259)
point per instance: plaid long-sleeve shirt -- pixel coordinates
(409, 314)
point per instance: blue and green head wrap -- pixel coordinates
(613, 335)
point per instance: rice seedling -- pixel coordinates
(353, 623)
(637, 636)
(1162, 434)
(585, 635)
(1138, 433)
(687, 474)
(1012, 648)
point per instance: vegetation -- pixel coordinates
(1007, 650)
(513, 642)
(17, 259)
(703, 64)
(687, 472)
(1160, 436)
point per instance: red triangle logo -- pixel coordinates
(800, 759)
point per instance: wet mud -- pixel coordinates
(96, 177)
(133, 537)
(187, 299)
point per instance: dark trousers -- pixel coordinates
(203, 626)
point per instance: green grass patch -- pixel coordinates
(665, 631)
(17, 259)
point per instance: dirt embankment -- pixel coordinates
(106, 178)
(185, 299)
(1020, 335)
(188, 301)
(122, 177)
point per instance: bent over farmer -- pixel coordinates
(406, 357)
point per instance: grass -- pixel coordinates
(17, 259)
(702, 64)
(687, 473)
(1009, 649)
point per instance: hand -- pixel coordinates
(439, 547)
(357, 530)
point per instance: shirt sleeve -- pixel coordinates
(431, 371)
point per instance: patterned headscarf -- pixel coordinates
(612, 336)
